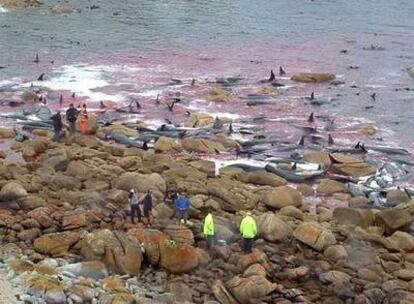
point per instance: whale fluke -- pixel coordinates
(311, 119)
(281, 71)
(231, 131)
(312, 96)
(373, 95)
(272, 76)
(171, 105)
(302, 141)
(358, 145)
(330, 140)
(41, 77)
(36, 59)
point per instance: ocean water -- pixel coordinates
(124, 48)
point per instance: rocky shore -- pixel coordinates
(67, 237)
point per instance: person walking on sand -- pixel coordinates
(208, 230)
(182, 206)
(84, 120)
(147, 200)
(133, 201)
(57, 126)
(248, 231)
(71, 117)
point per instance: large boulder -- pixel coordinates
(282, 197)
(56, 243)
(150, 239)
(167, 144)
(180, 234)
(397, 196)
(355, 217)
(328, 186)
(120, 253)
(252, 287)
(232, 195)
(178, 258)
(218, 95)
(95, 270)
(354, 169)
(200, 145)
(199, 120)
(12, 191)
(313, 77)
(56, 158)
(222, 294)
(403, 241)
(272, 228)
(5, 132)
(80, 170)
(62, 8)
(143, 182)
(262, 178)
(321, 158)
(314, 235)
(47, 288)
(393, 219)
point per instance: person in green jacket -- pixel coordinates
(248, 231)
(208, 230)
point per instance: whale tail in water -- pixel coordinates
(36, 59)
(272, 76)
(171, 105)
(373, 96)
(302, 141)
(312, 96)
(231, 131)
(281, 71)
(41, 77)
(311, 119)
(330, 140)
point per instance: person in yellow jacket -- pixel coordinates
(248, 231)
(208, 230)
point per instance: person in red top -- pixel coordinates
(84, 120)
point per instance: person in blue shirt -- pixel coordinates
(182, 206)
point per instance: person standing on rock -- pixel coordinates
(84, 120)
(248, 231)
(147, 200)
(71, 117)
(182, 206)
(209, 231)
(133, 201)
(57, 126)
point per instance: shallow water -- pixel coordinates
(135, 47)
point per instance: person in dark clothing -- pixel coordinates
(147, 200)
(71, 117)
(133, 201)
(57, 126)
